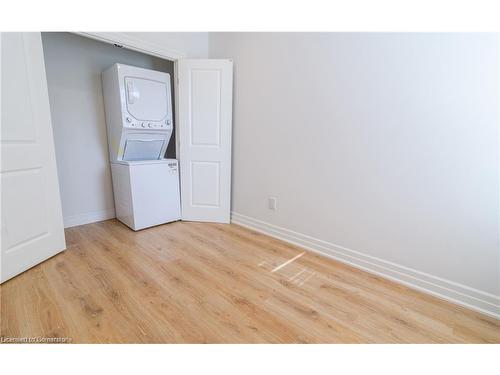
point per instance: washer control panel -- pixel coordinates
(131, 122)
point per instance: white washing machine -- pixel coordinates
(139, 121)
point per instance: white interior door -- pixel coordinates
(204, 125)
(32, 225)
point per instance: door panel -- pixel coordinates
(205, 108)
(32, 227)
(205, 183)
(205, 120)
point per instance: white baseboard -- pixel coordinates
(88, 217)
(451, 291)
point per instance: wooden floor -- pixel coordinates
(214, 283)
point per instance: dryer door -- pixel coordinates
(147, 100)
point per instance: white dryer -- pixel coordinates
(139, 121)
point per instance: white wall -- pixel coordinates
(382, 145)
(74, 65)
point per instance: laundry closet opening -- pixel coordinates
(74, 65)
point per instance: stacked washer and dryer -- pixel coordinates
(138, 105)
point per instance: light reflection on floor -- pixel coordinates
(290, 270)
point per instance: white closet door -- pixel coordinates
(204, 125)
(32, 226)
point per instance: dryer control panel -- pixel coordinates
(135, 124)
